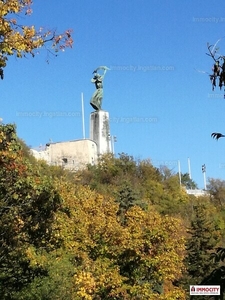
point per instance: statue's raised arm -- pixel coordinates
(96, 100)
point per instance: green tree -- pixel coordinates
(204, 236)
(127, 197)
(27, 206)
(173, 197)
(188, 182)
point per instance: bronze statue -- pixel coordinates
(96, 100)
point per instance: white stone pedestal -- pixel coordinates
(99, 131)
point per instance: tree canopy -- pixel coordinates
(64, 240)
(109, 231)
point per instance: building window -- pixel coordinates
(65, 160)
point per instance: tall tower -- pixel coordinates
(100, 132)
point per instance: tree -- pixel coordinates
(216, 277)
(126, 197)
(188, 182)
(61, 240)
(218, 71)
(27, 206)
(216, 188)
(173, 198)
(19, 39)
(130, 181)
(151, 260)
(204, 236)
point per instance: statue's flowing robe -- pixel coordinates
(96, 100)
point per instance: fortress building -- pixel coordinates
(71, 155)
(76, 154)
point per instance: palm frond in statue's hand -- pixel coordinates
(217, 135)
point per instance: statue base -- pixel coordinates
(99, 131)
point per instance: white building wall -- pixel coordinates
(40, 154)
(71, 155)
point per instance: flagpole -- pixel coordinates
(189, 167)
(83, 124)
(179, 171)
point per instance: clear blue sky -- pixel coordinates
(160, 107)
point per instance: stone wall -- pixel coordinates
(71, 155)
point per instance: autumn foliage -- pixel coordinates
(19, 39)
(119, 230)
(63, 240)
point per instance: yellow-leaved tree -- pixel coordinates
(18, 39)
(139, 259)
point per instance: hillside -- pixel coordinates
(121, 229)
